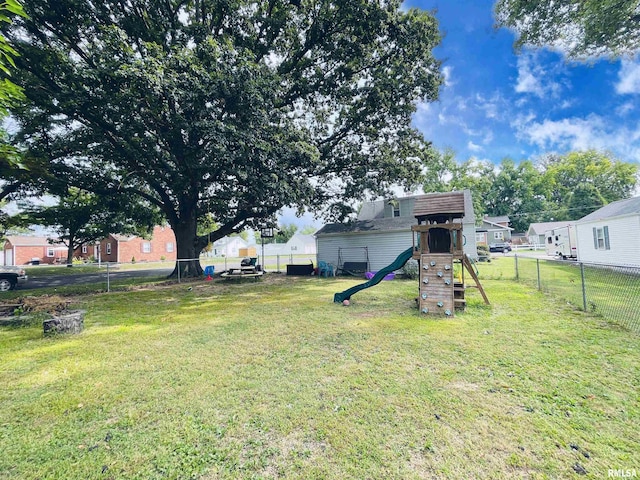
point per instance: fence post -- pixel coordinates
(178, 267)
(517, 273)
(278, 262)
(108, 284)
(538, 268)
(584, 288)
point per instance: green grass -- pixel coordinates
(272, 380)
(612, 293)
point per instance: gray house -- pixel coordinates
(494, 230)
(381, 232)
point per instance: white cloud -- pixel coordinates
(533, 78)
(581, 134)
(447, 73)
(492, 107)
(625, 108)
(628, 78)
(472, 147)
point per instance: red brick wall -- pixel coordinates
(133, 248)
(23, 254)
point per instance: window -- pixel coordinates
(169, 247)
(50, 252)
(480, 238)
(396, 211)
(601, 238)
(108, 249)
(146, 247)
(84, 249)
(549, 240)
(498, 235)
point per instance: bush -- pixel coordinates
(483, 252)
(482, 249)
(410, 269)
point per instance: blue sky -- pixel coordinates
(498, 104)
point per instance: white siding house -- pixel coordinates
(381, 233)
(228, 246)
(302, 244)
(611, 235)
(377, 241)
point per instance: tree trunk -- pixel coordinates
(188, 249)
(70, 255)
(70, 249)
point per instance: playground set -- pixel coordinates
(438, 244)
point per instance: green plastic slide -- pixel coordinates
(377, 278)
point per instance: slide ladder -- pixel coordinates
(377, 278)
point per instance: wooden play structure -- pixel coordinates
(437, 246)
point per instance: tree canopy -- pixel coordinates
(580, 28)
(558, 187)
(10, 93)
(230, 110)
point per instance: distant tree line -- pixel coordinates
(553, 187)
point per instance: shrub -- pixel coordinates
(133, 259)
(410, 269)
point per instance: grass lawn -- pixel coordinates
(271, 379)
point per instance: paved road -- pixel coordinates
(88, 278)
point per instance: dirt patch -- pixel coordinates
(36, 304)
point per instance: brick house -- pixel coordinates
(20, 250)
(123, 248)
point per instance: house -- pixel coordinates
(493, 230)
(611, 234)
(128, 248)
(536, 231)
(302, 244)
(20, 250)
(228, 246)
(382, 231)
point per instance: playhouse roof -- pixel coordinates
(456, 204)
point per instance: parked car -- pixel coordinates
(10, 277)
(500, 247)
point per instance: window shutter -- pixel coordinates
(607, 246)
(595, 238)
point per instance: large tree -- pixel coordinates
(230, 109)
(581, 182)
(580, 28)
(518, 191)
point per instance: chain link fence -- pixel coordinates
(608, 290)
